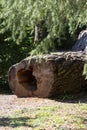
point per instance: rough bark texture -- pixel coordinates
(81, 44)
(48, 75)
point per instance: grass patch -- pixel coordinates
(57, 117)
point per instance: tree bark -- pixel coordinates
(36, 38)
(48, 75)
(40, 32)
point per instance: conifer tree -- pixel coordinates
(59, 16)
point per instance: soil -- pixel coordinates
(10, 103)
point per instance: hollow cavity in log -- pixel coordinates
(27, 80)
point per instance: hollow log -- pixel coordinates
(49, 75)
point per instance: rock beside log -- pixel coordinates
(81, 44)
(48, 75)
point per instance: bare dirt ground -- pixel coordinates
(10, 103)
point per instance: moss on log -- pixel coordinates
(48, 75)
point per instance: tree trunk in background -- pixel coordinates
(36, 37)
(48, 75)
(40, 32)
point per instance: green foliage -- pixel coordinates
(85, 69)
(11, 53)
(59, 16)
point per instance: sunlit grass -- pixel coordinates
(56, 117)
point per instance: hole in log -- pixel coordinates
(26, 79)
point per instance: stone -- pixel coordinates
(48, 75)
(81, 44)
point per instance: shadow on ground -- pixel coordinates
(15, 122)
(72, 98)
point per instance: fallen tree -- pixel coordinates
(48, 75)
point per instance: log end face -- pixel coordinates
(30, 82)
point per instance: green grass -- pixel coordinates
(57, 117)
